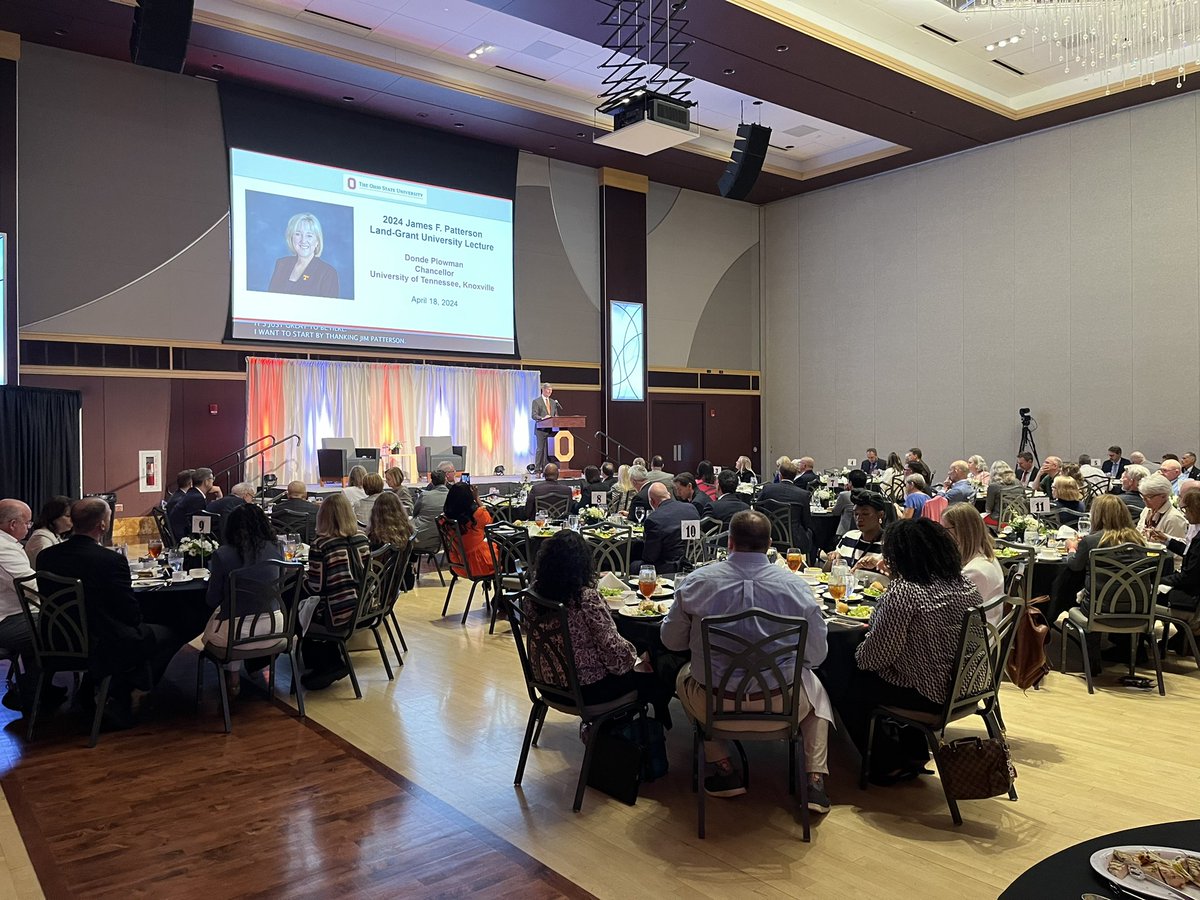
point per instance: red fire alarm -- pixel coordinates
(712, 413)
(212, 409)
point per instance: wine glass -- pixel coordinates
(795, 558)
(639, 513)
(154, 547)
(647, 581)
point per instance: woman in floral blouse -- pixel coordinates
(606, 663)
(910, 652)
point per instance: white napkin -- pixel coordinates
(609, 580)
(1066, 531)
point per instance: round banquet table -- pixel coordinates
(1068, 873)
(180, 607)
(824, 528)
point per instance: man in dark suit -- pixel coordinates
(663, 544)
(685, 491)
(872, 463)
(591, 484)
(608, 476)
(1027, 472)
(194, 501)
(639, 478)
(728, 501)
(1115, 465)
(789, 491)
(239, 495)
(914, 464)
(543, 407)
(135, 653)
(806, 475)
(1188, 462)
(296, 514)
(549, 488)
(183, 484)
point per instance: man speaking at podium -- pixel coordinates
(543, 408)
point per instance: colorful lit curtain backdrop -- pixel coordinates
(379, 404)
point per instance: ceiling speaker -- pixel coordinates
(160, 33)
(749, 153)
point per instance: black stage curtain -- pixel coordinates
(39, 444)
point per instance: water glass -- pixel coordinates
(175, 560)
(1084, 525)
(123, 549)
(573, 523)
(1031, 537)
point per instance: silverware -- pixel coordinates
(1139, 875)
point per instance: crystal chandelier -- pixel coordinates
(1120, 42)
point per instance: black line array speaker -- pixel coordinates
(749, 153)
(160, 33)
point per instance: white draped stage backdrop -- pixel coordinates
(382, 404)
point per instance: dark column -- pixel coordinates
(623, 279)
(10, 46)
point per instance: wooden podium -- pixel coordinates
(562, 442)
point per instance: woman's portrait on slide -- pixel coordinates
(299, 247)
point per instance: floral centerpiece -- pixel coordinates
(745, 487)
(824, 495)
(1023, 522)
(196, 551)
(592, 513)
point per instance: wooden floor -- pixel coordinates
(151, 812)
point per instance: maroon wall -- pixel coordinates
(124, 415)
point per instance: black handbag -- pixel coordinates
(629, 750)
(976, 768)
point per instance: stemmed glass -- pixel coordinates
(154, 547)
(794, 558)
(647, 581)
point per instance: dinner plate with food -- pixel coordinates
(646, 609)
(853, 598)
(1178, 869)
(858, 614)
(615, 597)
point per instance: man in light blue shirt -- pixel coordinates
(957, 489)
(747, 580)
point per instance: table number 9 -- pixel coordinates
(201, 524)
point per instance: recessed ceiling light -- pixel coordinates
(730, 72)
(1003, 42)
(459, 125)
(217, 67)
(348, 98)
(60, 31)
(552, 147)
(580, 134)
(781, 48)
(990, 47)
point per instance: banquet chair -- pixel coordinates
(1051, 518)
(780, 516)
(695, 551)
(553, 507)
(1004, 634)
(57, 619)
(369, 589)
(285, 521)
(392, 588)
(247, 639)
(753, 649)
(1018, 570)
(1011, 506)
(933, 508)
(164, 527)
(972, 691)
(1169, 618)
(511, 562)
(453, 545)
(373, 609)
(541, 630)
(1122, 588)
(611, 547)
(1093, 487)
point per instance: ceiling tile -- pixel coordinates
(352, 11)
(498, 28)
(453, 14)
(405, 30)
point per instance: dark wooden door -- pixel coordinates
(677, 433)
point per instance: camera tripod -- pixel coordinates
(1027, 441)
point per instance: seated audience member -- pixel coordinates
(372, 486)
(607, 665)
(249, 543)
(914, 461)
(15, 519)
(842, 505)
(656, 473)
(915, 496)
(549, 489)
(425, 515)
(1115, 465)
(729, 501)
(806, 476)
(449, 471)
(1172, 470)
(389, 523)
(1071, 470)
(979, 565)
(706, 479)
(778, 465)
(1003, 487)
(686, 492)
(745, 474)
(1172, 456)
(977, 469)
(957, 488)
(872, 463)
(183, 484)
(608, 476)
(51, 527)
(353, 490)
(192, 502)
(909, 654)
(394, 479)
(1050, 470)
(789, 491)
(1111, 525)
(1137, 458)
(622, 493)
(891, 479)
(121, 643)
(866, 537)
(336, 561)
(745, 580)
(1066, 494)
(1026, 473)
(1159, 515)
(1086, 469)
(472, 518)
(1183, 595)
(1188, 461)
(240, 494)
(592, 482)
(295, 514)
(1131, 478)
(638, 461)
(663, 544)
(639, 503)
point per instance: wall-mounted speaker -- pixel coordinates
(160, 33)
(749, 153)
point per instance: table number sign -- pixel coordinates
(599, 498)
(852, 464)
(1039, 505)
(201, 524)
(1095, 463)
(689, 530)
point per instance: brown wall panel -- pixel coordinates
(734, 429)
(584, 403)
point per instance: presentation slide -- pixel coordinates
(331, 256)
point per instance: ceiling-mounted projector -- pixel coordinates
(645, 122)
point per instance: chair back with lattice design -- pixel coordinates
(1011, 504)
(553, 507)
(500, 510)
(1018, 570)
(276, 585)
(511, 561)
(392, 584)
(1123, 584)
(57, 618)
(780, 516)
(1093, 487)
(750, 656)
(893, 489)
(696, 550)
(543, 637)
(455, 549)
(611, 546)
(974, 677)
(164, 527)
